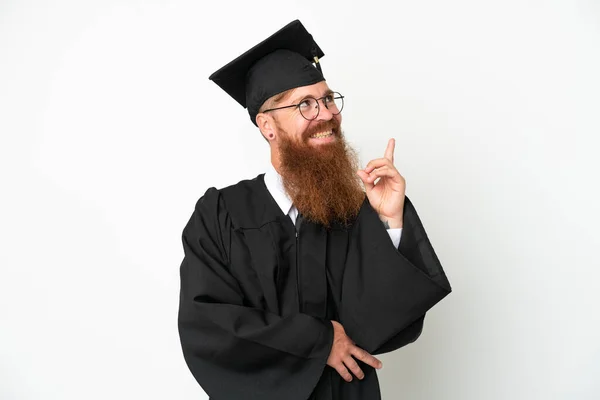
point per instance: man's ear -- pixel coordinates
(266, 124)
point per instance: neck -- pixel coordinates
(276, 160)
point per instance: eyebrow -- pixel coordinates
(301, 98)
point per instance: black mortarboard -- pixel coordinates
(281, 62)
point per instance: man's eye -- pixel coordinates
(306, 103)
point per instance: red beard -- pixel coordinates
(321, 180)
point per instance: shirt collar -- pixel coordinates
(275, 187)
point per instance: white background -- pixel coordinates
(110, 132)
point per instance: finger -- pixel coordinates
(365, 357)
(343, 371)
(389, 151)
(382, 172)
(364, 177)
(377, 173)
(353, 367)
(376, 163)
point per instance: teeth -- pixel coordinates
(322, 135)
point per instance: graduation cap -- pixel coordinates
(281, 62)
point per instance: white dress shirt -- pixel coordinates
(275, 187)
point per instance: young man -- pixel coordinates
(293, 280)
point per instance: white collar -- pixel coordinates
(275, 187)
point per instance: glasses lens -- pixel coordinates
(309, 108)
(336, 103)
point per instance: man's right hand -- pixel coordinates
(343, 353)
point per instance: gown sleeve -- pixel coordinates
(235, 351)
(386, 291)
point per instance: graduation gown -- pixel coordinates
(257, 296)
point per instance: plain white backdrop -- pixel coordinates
(110, 131)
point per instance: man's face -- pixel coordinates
(317, 167)
(324, 129)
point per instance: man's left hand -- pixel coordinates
(385, 187)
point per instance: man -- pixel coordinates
(293, 280)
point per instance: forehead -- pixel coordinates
(316, 90)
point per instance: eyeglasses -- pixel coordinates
(309, 107)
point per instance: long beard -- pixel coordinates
(321, 180)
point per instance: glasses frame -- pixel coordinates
(336, 95)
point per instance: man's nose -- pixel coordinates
(324, 113)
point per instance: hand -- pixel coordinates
(341, 354)
(387, 194)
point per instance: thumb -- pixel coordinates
(364, 177)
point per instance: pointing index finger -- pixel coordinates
(389, 151)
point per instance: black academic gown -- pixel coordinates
(257, 300)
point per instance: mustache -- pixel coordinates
(321, 126)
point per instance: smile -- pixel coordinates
(321, 135)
